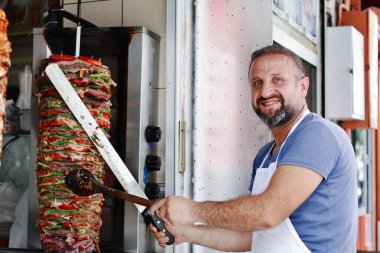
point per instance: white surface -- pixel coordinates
(25, 84)
(292, 44)
(344, 73)
(226, 132)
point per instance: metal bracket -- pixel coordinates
(53, 17)
(182, 147)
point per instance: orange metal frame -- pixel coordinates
(360, 20)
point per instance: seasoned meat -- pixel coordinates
(67, 222)
(5, 63)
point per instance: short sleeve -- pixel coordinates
(313, 146)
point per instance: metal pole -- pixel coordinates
(79, 5)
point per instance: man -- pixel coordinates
(303, 183)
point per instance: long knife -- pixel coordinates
(101, 142)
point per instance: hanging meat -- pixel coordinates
(5, 63)
(67, 222)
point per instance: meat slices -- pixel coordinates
(67, 222)
(5, 63)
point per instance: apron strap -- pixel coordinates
(305, 113)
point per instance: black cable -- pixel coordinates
(9, 142)
(4, 149)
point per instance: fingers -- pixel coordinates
(162, 241)
(161, 213)
(157, 205)
(152, 228)
(159, 208)
(161, 238)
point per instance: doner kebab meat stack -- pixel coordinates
(5, 63)
(67, 222)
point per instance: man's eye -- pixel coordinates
(257, 83)
(276, 79)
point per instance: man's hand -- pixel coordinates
(162, 239)
(176, 210)
(210, 237)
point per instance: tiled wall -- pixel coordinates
(110, 13)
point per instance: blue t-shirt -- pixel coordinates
(327, 220)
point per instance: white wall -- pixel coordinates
(148, 13)
(227, 133)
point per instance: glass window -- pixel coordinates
(361, 139)
(311, 72)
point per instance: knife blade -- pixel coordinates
(105, 148)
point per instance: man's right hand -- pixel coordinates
(162, 239)
(176, 210)
(210, 237)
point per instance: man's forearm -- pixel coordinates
(218, 238)
(289, 187)
(244, 214)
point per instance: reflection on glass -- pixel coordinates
(359, 142)
(14, 178)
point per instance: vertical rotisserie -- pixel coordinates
(70, 223)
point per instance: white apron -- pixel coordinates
(283, 238)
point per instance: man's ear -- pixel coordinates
(304, 85)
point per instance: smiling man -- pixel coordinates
(303, 186)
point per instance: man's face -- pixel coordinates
(277, 90)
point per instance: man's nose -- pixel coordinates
(267, 89)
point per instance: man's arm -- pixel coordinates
(210, 237)
(289, 187)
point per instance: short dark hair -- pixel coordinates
(277, 49)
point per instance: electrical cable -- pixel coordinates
(9, 142)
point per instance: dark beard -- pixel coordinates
(281, 116)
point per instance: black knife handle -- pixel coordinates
(158, 223)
